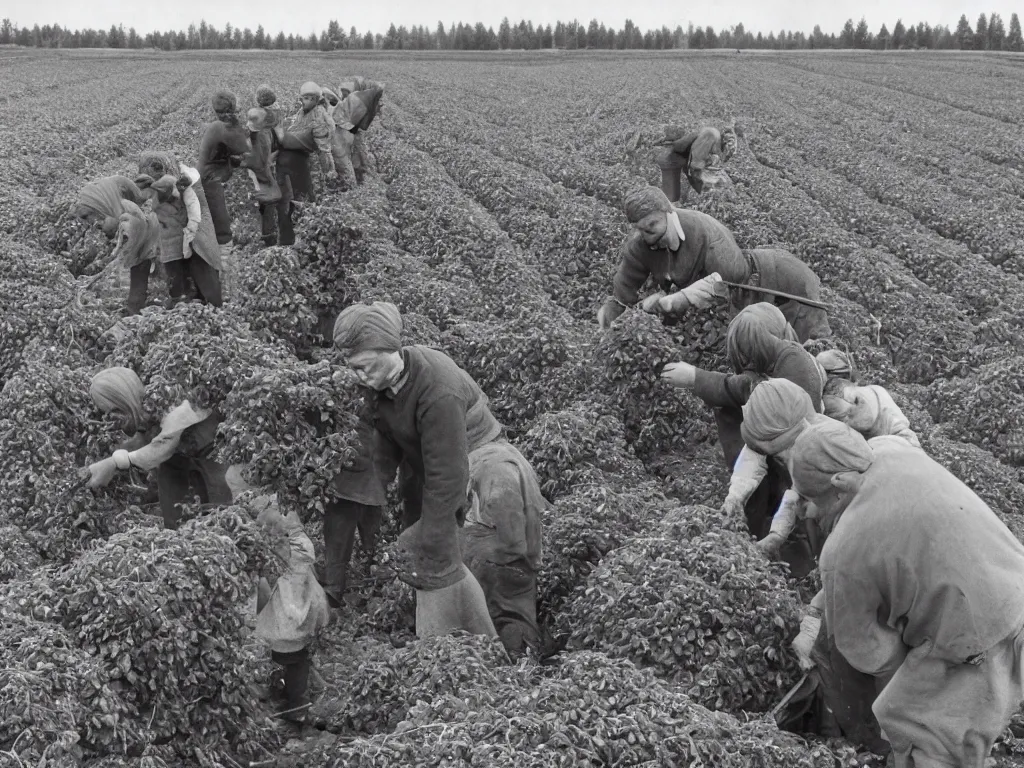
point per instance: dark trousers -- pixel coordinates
(296, 676)
(205, 277)
(342, 518)
(180, 479)
(511, 593)
(138, 287)
(217, 202)
(268, 223)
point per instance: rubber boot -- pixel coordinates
(296, 684)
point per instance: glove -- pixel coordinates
(804, 642)
(769, 546)
(101, 473)
(604, 317)
(652, 303)
(699, 295)
(682, 375)
(186, 244)
(732, 506)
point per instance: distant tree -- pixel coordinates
(899, 34)
(504, 34)
(134, 41)
(942, 38)
(261, 41)
(392, 42)
(817, 37)
(910, 41)
(924, 35)
(116, 38)
(1014, 41)
(981, 34)
(861, 36)
(368, 41)
(996, 32)
(711, 39)
(698, 39)
(846, 36)
(883, 38)
(964, 34)
(739, 36)
(7, 32)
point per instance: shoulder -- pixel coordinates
(635, 246)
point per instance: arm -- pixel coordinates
(749, 470)
(445, 450)
(723, 390)
(323, 128)
(629, 279)
(128, 191)
(236, 139)
(783, 522)
(163, 446)
(195, 212)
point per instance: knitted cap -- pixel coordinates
(224, 101)
(264, 96)
(645, 201)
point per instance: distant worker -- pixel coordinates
(689, 254)
(700, 155)
(356, 104)
(225, 141)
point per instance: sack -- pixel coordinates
(266, 193)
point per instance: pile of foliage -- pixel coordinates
(276, 296)
(194, 352)
(698, 605)
(586, 710)
(294, 427)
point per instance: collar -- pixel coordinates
(403, 378)
(674, 220)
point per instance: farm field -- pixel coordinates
(492, 219)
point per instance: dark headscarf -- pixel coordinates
(756, 337)
(364, 327)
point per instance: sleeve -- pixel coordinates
(631, 275)
(323, 127)
(682, 146)
(749, 470)
(723, 390)
(195, 213)
(128, 191)
(787, 515)
(727, 259)
(164, 445)
(236, 139)
(504, 509)
(445, 451)
(208, 144)
(852, 607)
(818, 602)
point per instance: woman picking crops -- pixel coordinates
(179, 448)
(355, 105)
(759, 344)
(701, 155)
(923, 589)
(434, 419)
(689, 254)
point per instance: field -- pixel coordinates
(492, 219)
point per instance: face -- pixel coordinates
(652, 228)
(122, 421)
(373, 368)
(308, 101)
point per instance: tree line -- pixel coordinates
(988, 34)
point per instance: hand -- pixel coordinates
(101, 473)
(804, 642)
(604, 317)
(732, 507)
(652, 302)
(682, 375)
(769, 545)
(673, 303)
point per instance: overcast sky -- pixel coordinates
(376, 15)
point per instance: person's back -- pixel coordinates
(918, 545)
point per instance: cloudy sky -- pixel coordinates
(302, 18)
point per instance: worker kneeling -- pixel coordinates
(924, 589)
(434, 422)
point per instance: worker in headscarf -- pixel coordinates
(701, 155)
(355, 105)
(188, 243)
(311, 130)
(689, 254)
(290, 167)
(837, 364)
(113, 203)
(868, 409)
(760, 344)
(293, 610)
(179, 448)
(435, 420)
(225, 141)
(923, 588)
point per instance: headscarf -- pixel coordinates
(644, 201)
(774, 416)
(837, 363)
(119, 389)
(156, 164)
(143, 231)
(309, 88)
(224, 101)
(103, 197)
(825, 448)
(265, 97)
(364, 327)
(756, 336)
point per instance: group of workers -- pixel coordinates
(176, 215)
(916, 636)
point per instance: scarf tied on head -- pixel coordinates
(365, 327)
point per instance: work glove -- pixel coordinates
(770, 545)
(186, 244)
(810, 626)
(682, 375)
(699, 295)
(100, 473)
(652, 304)
(748, 471)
